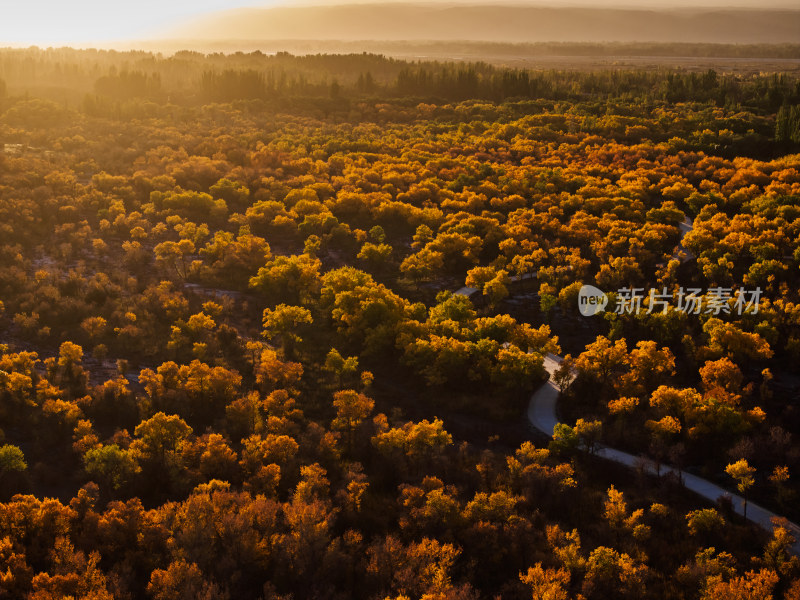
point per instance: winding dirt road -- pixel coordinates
(542, 415)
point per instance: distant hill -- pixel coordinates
(416, 22)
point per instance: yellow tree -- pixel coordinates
(351, 410)
(603, 361)
(743, 473)
(547, 584)
(158, 445)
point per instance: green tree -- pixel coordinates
(12, 460)
(565, 440)
(113, 466)
(12, 470)
(285, 322)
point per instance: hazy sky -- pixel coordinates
(54, 22)
(63, 21)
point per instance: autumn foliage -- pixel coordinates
(235, 363)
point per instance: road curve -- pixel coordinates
(542, 415)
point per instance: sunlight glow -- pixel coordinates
(55, 22)
(81, 22)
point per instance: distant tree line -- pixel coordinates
(113, 83)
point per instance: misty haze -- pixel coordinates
(497, 22)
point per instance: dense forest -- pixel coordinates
(233, 363)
